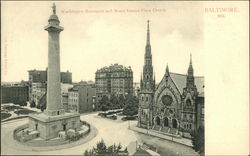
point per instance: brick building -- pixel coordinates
(115, 79)
(81, 98)
(14, 94)
(40, 76)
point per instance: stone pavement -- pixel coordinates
(183, 141)
(8, 140)
(108, 130)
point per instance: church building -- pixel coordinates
(176, 105)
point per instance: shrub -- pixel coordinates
(5, 115)
(23, 103)
(24, 111)
(113, 117)
(129, 118)
(32, 104)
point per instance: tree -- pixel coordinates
(103, 103)
(114, 102)
(42, 103)
(121, 101)
(101, 150)
(131, 106)
(197, 137)
(32, 104)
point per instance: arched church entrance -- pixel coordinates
(174, 122)
(166, 122)
(157, 119)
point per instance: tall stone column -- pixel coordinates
(54, 105)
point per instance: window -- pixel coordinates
(188, 102)
(146, 98)
(191, 116)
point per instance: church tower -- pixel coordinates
(147, 87)
(189, 100)
(190, 84)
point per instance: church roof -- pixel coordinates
(180, 81)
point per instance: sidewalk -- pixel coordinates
(183, 141)
(152, 152)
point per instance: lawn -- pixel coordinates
(24, 111)
(5, 115)
(11, 108)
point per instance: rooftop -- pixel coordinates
(180, 81)
(114, 67)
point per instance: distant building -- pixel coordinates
(136, 89)
(115, 79)
(81, 98)
(39, 91)
(40, 76)
(65, 95)
(73, 105)
(14, 94)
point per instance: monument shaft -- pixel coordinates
(54, 105)
(54, 86)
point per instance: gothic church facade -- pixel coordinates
(176, 105)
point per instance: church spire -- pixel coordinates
(148, 67)
(167, 70)
(190, 68)
(148, 34)
(148, 54)
(190, 60)
(190, 75)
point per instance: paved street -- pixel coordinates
(108, 130)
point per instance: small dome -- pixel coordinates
(53, 17)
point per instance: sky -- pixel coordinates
(98, 34)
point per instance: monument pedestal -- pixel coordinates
(50, 126)
(54, 112)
